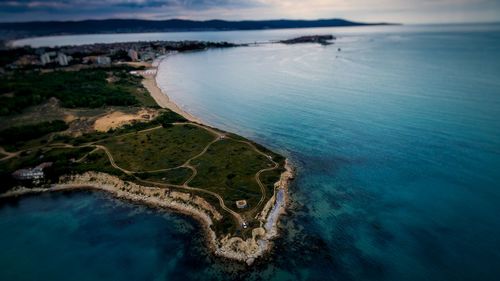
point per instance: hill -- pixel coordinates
(23, 29)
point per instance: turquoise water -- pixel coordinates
(396, 138)
(89, 236)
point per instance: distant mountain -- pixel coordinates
(128, 25)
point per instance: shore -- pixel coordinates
(159, 96)
(230, 247)
(275, 207)
(233, 248)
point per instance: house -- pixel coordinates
(28, 174)
(34, 174)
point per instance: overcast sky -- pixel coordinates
(402, 11)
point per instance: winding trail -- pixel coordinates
(218, 136)
(7, 154)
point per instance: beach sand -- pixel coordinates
(162, 99)
(117, 119)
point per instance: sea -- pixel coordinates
(394, 132)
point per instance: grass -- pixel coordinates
(13, 135)
(142, 95)
(176, 176)
(158, 149)
(99, 162)
(228, 168)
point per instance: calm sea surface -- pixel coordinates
(396, 137)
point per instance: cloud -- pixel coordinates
(61, 5)
(365, 10)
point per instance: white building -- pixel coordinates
(45, 58)
(133, 55)
(62, 59)
(28, 174)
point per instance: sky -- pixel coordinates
(396, 11)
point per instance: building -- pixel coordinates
(33, 174)
(45, 58)
(103, 60)
(133, 55)
(28, 174)
(241, 204)
(62, 59)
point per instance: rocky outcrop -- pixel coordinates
(248, 250)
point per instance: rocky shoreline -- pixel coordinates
(233, 248)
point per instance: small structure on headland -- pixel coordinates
(241, 204)
(34, 174)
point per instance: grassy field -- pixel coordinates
(228, 168)
(175, 176)
(159, 148)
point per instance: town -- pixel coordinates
(96, 54)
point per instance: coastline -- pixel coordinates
(161, 98)
(273, 209)
(230, 247)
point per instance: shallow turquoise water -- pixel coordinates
(89, 236)
(397, 142)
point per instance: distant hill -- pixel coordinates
(23, 29)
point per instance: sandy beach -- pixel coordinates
(160, 97)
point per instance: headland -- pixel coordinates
(127, 138)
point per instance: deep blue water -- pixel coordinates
(396, 138)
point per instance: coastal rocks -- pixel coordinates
(162, 197)
(234, 248)
(248, 250)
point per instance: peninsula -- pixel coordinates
(92, 117)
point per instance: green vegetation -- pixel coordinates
(228, 168)
(166, 119)
(85, 88)
(163, 156)
(159, 148)
(176, 176)
(99, 162)
(9, 55)
(29, 132)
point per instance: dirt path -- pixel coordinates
(7, 154)
(218, 136)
